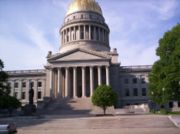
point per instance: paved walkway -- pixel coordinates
(140, 124)
(176, 120)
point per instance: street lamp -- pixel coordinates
(152, 93)
(163, 89)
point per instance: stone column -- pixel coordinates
(20, 90)
(43, 87)
(62, 38)
(67, 82)
(108, 38)
(35, 90)
(89, 32)
(94, 33)
(67, 34)
(91, 81)
(51, 83)
(79, 33)
(99, 76)
(75, 33)
(105, 40)
(59, 82)
(74, 82)
(102, 35)
(12, 88)
(70, 34)
(84, 26)
(99, 33)
(27, 90)
(83, 82)
(107, 75)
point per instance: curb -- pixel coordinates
(174, 122)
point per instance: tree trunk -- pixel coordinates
(104, 110)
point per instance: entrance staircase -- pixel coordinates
(66, 106)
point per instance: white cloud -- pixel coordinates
(37, 37)
(61, 4)
(18, 55)
(165, 8)
(135, 54)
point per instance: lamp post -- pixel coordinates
(163, 89)
(152, 103)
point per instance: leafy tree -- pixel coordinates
(103, 97)
(164, 79)
(4, 87)
(6, 101)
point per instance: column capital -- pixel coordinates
(74, 67)
(83, 67)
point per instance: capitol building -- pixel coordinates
(84, 61)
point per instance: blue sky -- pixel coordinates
(29, 29)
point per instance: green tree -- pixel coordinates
(104, 97)
(164, 79)
(6, 101)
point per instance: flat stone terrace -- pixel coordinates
(125, 124)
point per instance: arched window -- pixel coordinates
(127, 93)
(67, 35)
(82, 16)
(97, 33)
(81, 32)
(92, 33)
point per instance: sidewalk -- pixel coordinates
(175, 119)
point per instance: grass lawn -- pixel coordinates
(164, 112)
(174, 113)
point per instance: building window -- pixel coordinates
(135, 92)
(9, 84)
(23, 95)
(143, 81)
(127, 92)
(97, 33)
(39, 95)
(32, 84)
(24, 84)
(134, 80)
(144, 92)
(74, 17)
(81, 32)
(170, 104)
(16, 84)
(67, 35)
(16, 94)
(126, 81)
(39, 84)
(82, 16)
(92, 32)
(178, 103)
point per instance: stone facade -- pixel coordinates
(84, 61)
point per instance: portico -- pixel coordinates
(77, 81)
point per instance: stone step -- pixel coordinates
(69, 106)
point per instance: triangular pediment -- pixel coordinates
(77, 55)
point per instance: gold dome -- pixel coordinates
(84, 5)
